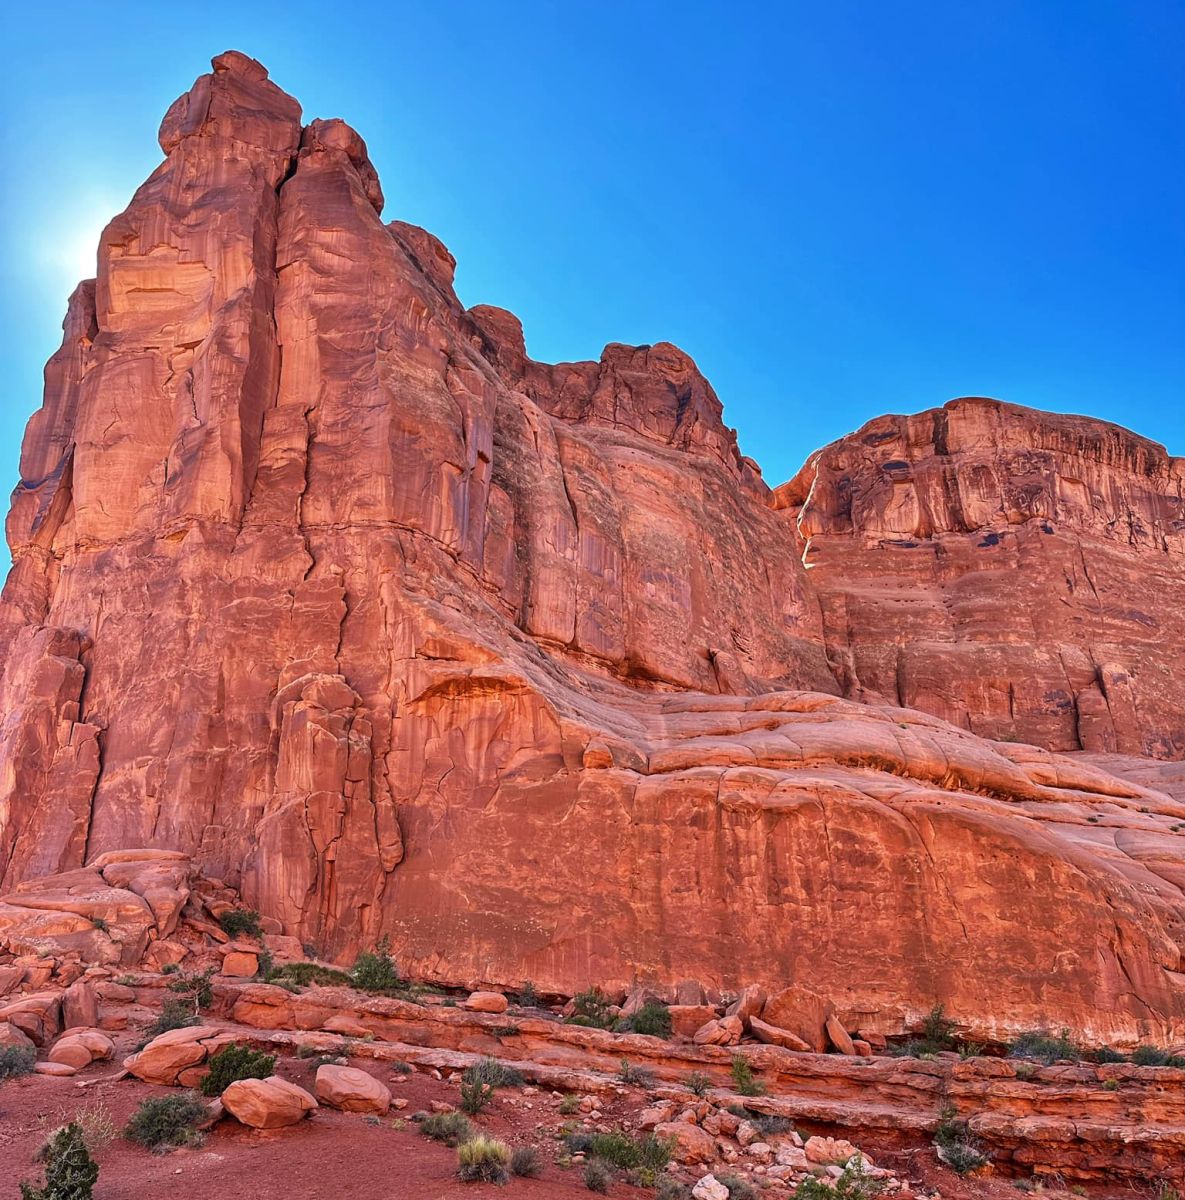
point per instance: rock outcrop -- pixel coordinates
(321, 581)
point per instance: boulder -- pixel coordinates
(826, 1150)
(748, 1004)
(801, 1012)
(351, 1090)
(38, 1016)
(687, 1019)
(80, 1005)
(64, 1070)
(82, 1047)
(726, 1031)
(167, 1057)
(240, 964)
(773, 1036)
(840, 1038)
(487, 1002)
(708, 1187)
(13, 1035)
(270, 1103)
(346, 1024)
(691, 1143)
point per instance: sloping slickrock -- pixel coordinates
(520, 664)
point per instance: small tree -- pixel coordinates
(70, 1172)
(375, 971)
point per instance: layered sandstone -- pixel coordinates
(320, 579)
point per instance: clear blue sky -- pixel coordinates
(839, 209)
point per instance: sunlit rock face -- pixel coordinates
(320, 579)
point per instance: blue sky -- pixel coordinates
(839, 209)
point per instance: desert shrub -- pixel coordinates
(100, 925)
(1044, 1046)
(305, 974)
(194, 988)
(491, 1071)
(98, 1129)
(375, 971)
(175, 1014)
(70, 1172)
(652, 1018)
(742, 1077)
(671, 1189)
(937, 1030)
(1104, 1054)
(647, 1153)
(569, 1104)
(236, 1062)
(1110, 1085)
(483, 1160)
(239, 921)
(699, 1083)
(170, 968)
(636, 1076)
(1153, 1056)
(738, 1188)
(525, 1161)
(16, 1060)
(450, 1128)
(528, 997)
(957, 1148)
(597, 1176)
(164, 1122)
(854, 1184)
(591, 1008)
(475, 1095)
(769, 1125)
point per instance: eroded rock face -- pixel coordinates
(321, 580)
(1021, 574)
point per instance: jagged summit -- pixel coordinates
(320, 579)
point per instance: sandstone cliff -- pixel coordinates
(319, 578)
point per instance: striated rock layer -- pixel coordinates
(319, 579)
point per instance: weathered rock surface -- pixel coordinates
(321, 581)
(351, 1090)
(271, 1103)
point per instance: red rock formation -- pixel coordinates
(319, 579)
(1020, 573)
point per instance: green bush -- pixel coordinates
(16, 1060)
(305, 974)
(652, 1018)
(1104, 1054)
(854, 1184)
(450, 1128)
(175, 1014)
(475, 1095)
(742, 1077)
(236, 1062)
(194, 988)
(525, 1161)
(597, 1176)
(1152, 1056)
(591, 1008)
(769, 1125)
(1044, 1046)
(483, 1160)
(699, 1083)
(375, 971)
(239, 921)
(647, 1153)
(165, 1122)
(671, 1189)
(636, 1076)
(738, 1188)
(490, 1071)
(70, 1172)
(528, 997)
(959, 1150)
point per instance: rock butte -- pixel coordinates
(320, 579)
